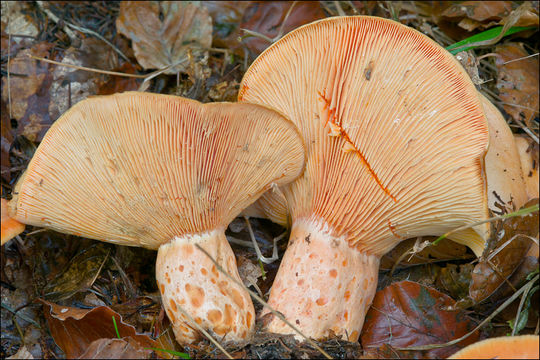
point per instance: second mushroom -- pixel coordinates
(165, 173)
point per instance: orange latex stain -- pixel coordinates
(332, 118)
(321, 301)
(195, 294)
(366, 284)
(346, 315)
(347, 295)
(204, 271)
(198, 320)
(214, 270)
(354, 336)
(181, 268)
(393, 230)
(300, 282)
(344, 263)
(215, 316)
(333, 273)
(162, 288)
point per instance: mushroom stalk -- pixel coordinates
(322, 284)
(190, 283)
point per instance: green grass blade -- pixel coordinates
(483, 36)
(115, 327)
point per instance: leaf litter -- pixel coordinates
(203, 56)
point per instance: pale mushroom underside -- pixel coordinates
(393, 126)
(139, 169)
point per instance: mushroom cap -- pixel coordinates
(504, 347)
(139, 169)
(506, 186)
(10, 226)
(394, 130)
(272, 205)
(528, 154)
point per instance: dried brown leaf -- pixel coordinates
(517, 81)
(75, 329)
(500, 260)
(27, 87)
(162, 33)
(6, 138)
(478, 12)
(444, 251)
(408, 314)
(266, 18)
(115, 349)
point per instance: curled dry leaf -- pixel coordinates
(28, 80)
(162, 33)
(501, 258)
(126, 348)
(408, 314)
(78, 275)
(517, 81)
(267, 17)
(444, 251)
(75, 329)
(478, 14)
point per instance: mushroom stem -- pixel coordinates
(322, 285)
(190, 283)
(10, 226)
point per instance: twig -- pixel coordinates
(260, 300)
(72, 36)
(521, 302)
(88, 69)
(22, 316)
(486, 320)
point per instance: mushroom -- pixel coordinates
(165, 173)
(395, 137)
(506, 186)
(504, 347)
(10, 226)
(528, 154)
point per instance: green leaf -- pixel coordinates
(485, 35)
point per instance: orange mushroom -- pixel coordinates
(395, 136)
(528, 154)
(166, 173)
(504, 347)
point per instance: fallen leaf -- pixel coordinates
(75, 329)
(267, 17)
(162, 33)
(80, 273)
(18, 22)
(501, 257)
(226, 17)
(27, 88)
(408, 314)
(517, 81)
(115, 349)
(118, 84)
(455, 279)
(22, 353)
(475, 14)
(444, 251)
(6, 138)
(527, 15)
